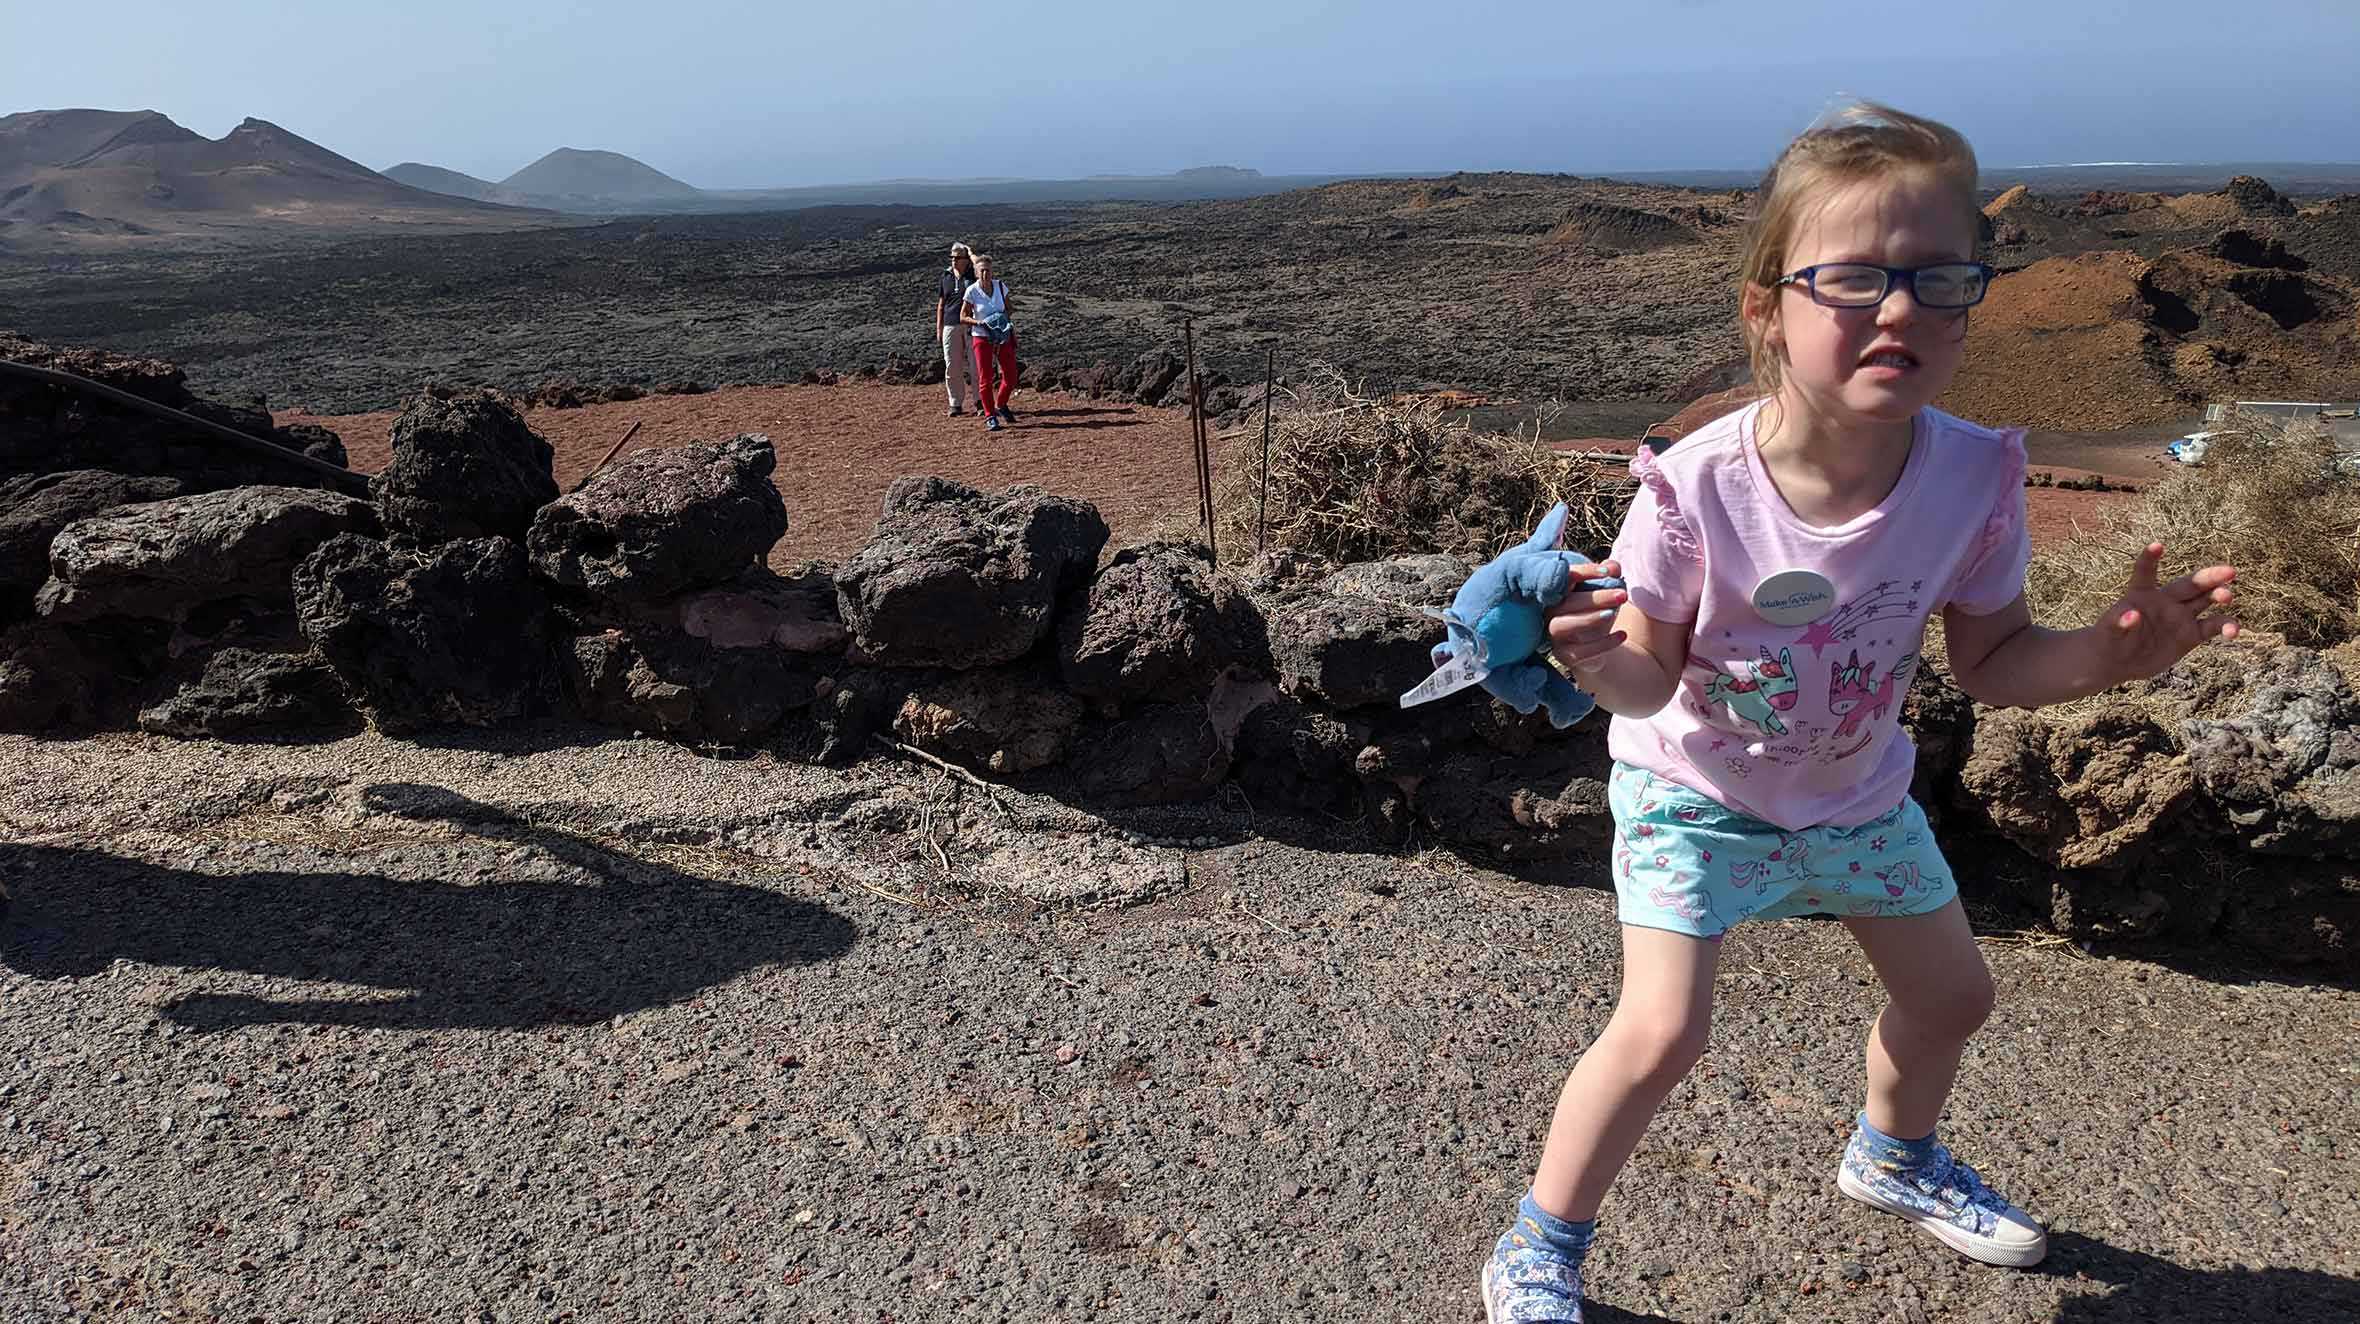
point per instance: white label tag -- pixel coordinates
(1449, 678)
(1794, 597)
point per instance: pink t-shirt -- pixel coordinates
(1800, 725)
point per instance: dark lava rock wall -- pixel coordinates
(2218, 805)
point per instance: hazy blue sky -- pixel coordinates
(745, 93)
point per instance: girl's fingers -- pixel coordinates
(2143, 566)
(1570, 628)
(1596, 648)
(2190, 587)
(1602, 599)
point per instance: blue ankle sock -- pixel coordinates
(1538, 1226)
(1892, 1154)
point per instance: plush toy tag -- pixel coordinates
(1449, 678)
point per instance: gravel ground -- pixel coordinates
(515, 1028)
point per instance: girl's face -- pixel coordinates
(1881, 364)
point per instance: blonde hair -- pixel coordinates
(1859, 141)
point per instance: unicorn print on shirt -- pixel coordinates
(1855, 694)
(1769, 688)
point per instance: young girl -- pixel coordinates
(1783, 563)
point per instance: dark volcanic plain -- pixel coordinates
(1457, 290)
(2120, 309)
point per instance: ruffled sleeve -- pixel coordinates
(1661, 558)
(1992, 576)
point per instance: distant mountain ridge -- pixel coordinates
(111, 173)
(572, 172)
(435, 179)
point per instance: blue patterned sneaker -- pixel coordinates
(1534, 1275)
(1941, 1195)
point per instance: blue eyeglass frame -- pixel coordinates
(1808, 278)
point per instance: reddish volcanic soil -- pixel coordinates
(840, 446)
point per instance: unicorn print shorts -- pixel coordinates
(1685, 862)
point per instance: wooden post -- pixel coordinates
(1197, 436)
(1269, 376)
(611, 452)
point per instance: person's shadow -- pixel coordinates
(2156, 1291)
(491, 954)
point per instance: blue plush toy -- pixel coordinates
(1499, 618)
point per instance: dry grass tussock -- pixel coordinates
(2270, 499)
(1358, 479)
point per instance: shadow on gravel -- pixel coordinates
(1084, 411)
(2227, 965)
(2149, 1290)
(1086, 423)
(494, 955)
(1593, 1313)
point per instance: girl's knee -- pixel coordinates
(1956, 1008)
(1660, 1044)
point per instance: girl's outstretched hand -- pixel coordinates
(2151, 626)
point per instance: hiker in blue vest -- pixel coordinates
(950, 302)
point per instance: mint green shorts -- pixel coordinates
(1684, 861)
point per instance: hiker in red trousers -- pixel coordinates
(994, 337)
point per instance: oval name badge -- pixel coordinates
(1794, 597)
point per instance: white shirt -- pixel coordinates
(986, 302)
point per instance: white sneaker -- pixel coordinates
(1947, 1198)
(1527, 1282)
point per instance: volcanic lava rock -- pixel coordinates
(1536, 807)
(684, 687)
(46, 679)
(1293, 757)
(162, 558)
(243, 691)
(314, 442)
(1358, 639)
(34, 508)
(760, 607)
(1157, 623)
(957, 578)
(1166, 753)
(664, 522)
(1940, 721)
(46, 428)
(2284, 765)
(2090, 793)
(993, 720)
(1152, 377)
(2247, 249)
(84, 676)
(463, 467)
(453, 633)
(2253, 196)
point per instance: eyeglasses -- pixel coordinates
(1943, 285)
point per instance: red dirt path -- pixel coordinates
(840, 446)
